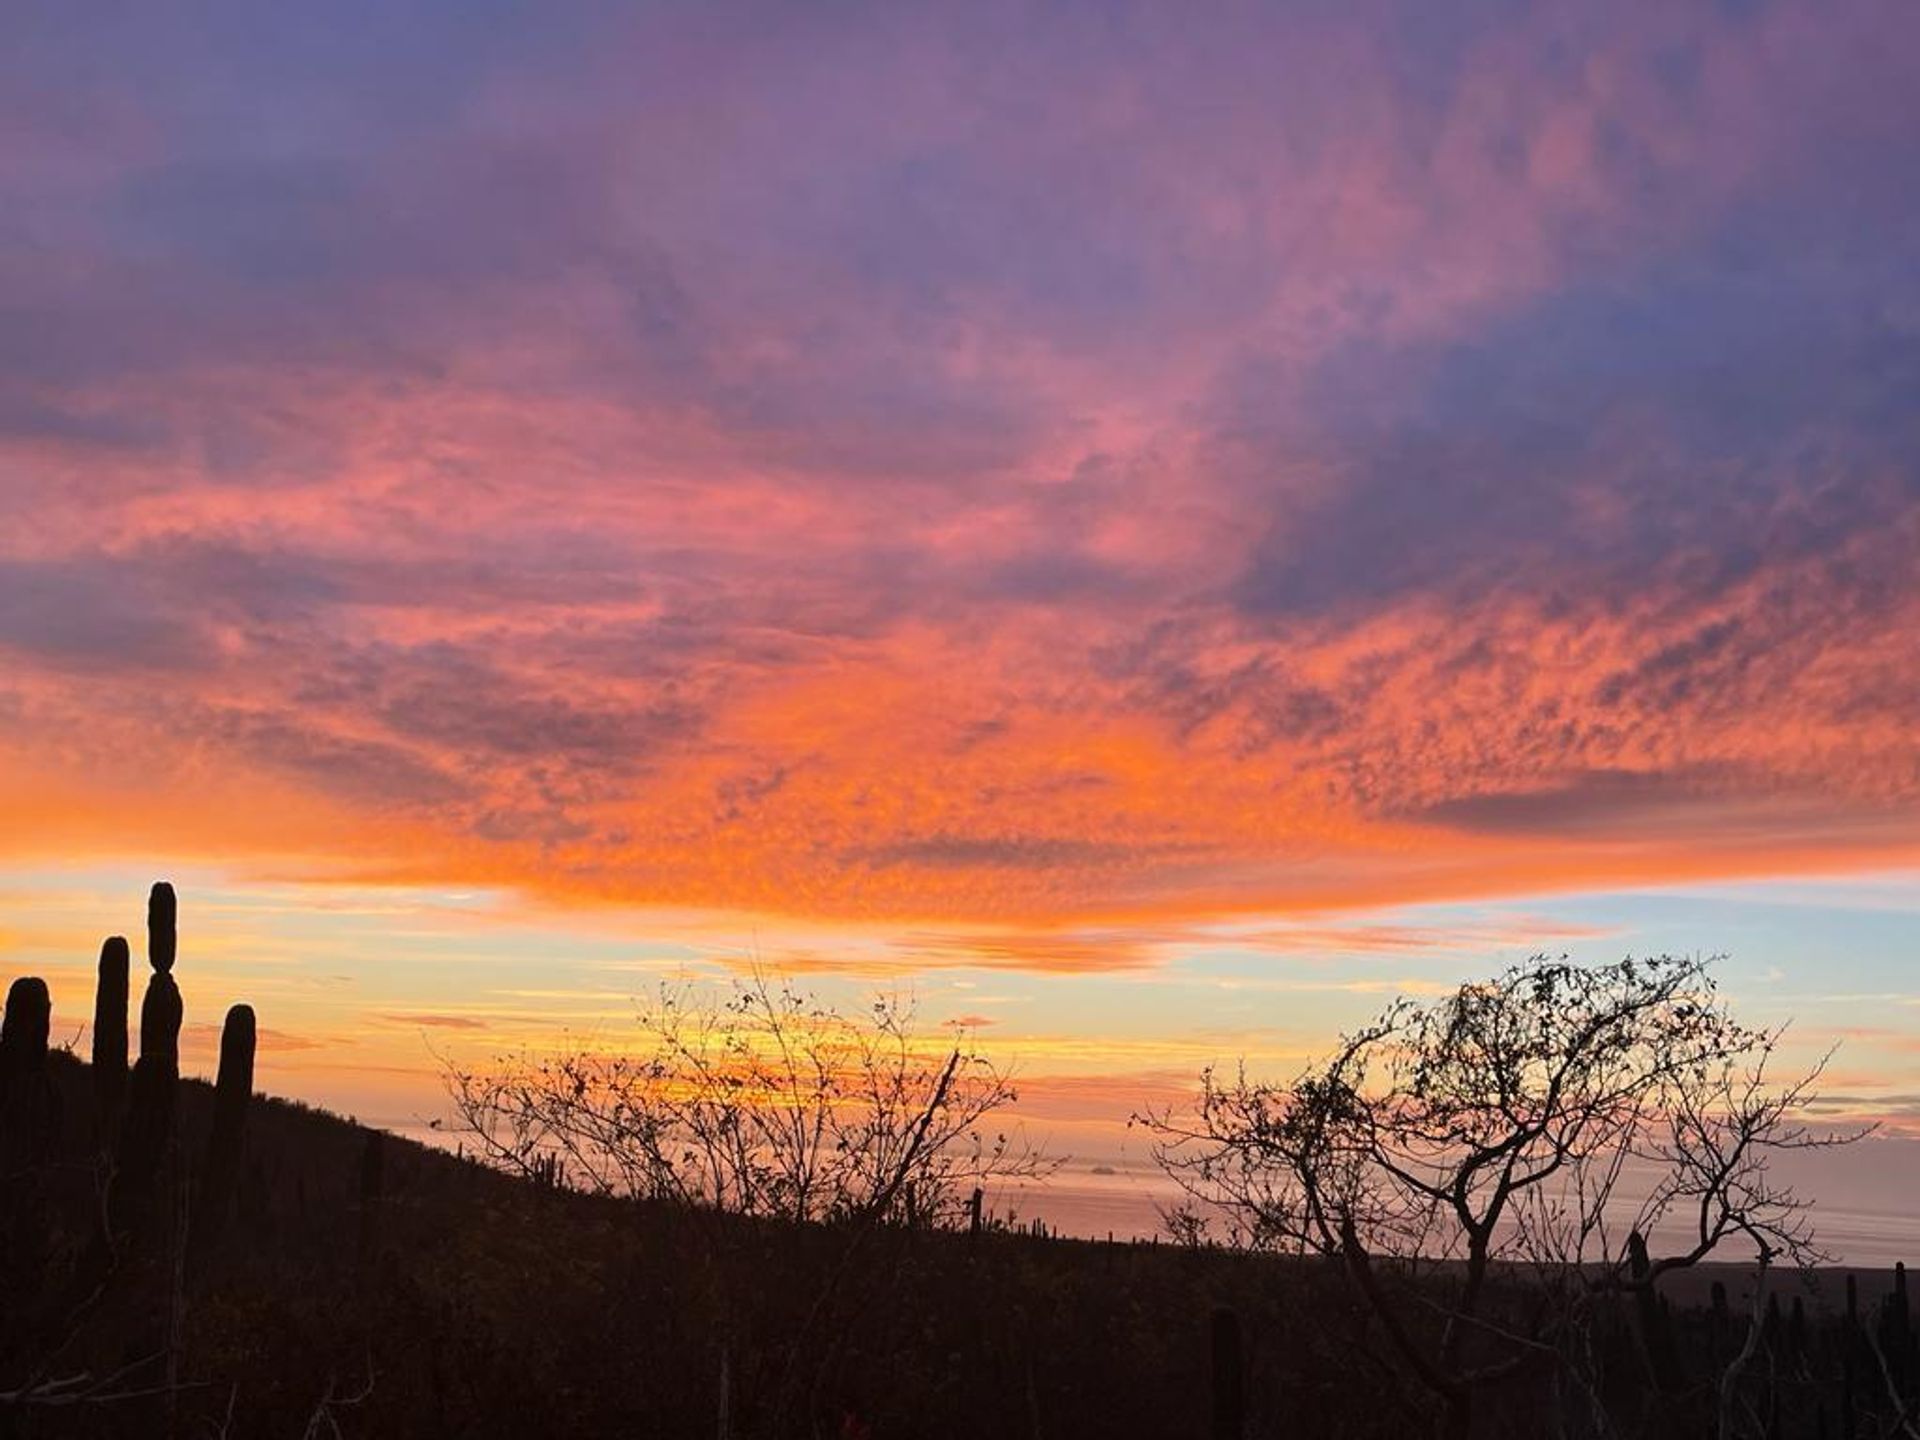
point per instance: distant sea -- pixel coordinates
(1866, 1210)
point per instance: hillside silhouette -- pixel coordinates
(185, 1258)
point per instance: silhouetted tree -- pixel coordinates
(1492, 1130)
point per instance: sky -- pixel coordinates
(1152, 529)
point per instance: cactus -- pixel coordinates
(234, 1088)
(973, 1211)
(1229, 1386)
(146, 1133)
(27, 1098)
(160, 1014)
(110, 1035)
(162, 920)
(25, 1027)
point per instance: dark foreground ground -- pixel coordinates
(423, 1295)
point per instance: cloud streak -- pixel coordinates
(941, 473)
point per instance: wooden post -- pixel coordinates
(1899, 1333)
(1849, 1347)
(1229, 1383)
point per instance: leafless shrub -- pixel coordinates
(766, 1103)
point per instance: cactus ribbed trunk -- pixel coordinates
(27, 1100)
(146, 1134)
(220, 1172)
(110, 1036)
(162, 928)
(25, 1027)
(152, 1091)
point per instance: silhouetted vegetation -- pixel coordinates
(766, 1104)
(1468, 1164)
(215, 1263)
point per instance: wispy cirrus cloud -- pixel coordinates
(434, 1022)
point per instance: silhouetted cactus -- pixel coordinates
(162, 927)
(27, 1098)
(160, 1015)
(147, 1131)
(973, 1211)
(25, 1027)
(110, 1035)
(232, 1090)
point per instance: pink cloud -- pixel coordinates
(843, 478)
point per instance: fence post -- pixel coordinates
(1229, 1383)
(1849, 1346)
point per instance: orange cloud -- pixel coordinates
(1077, 522)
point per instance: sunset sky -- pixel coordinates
(1154, 529)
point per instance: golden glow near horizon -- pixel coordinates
(367, 992)
(500, 515)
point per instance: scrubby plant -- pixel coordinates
(767, 1104)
